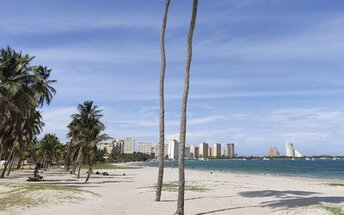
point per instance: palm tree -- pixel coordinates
(182, 134)
(162, 106)
(49, 149)
(85, 133)
(23, 89)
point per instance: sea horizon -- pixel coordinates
(320, 168)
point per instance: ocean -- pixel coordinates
(332, 169)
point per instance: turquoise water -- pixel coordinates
(333, 169)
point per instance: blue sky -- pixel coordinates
(264, 72)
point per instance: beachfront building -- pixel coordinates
(156, 150)
(230, 150)
(129, 146)
(187, 152)
(145, 147)
(216, 150)
(291, 152)
(193, 151)
(118, 146)
(107, 147)
(203, 150)
(173, 148)
(273, 152)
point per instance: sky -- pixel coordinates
(264, 72)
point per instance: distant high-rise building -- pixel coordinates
(156, 149)
(107, 147)
(173, 149)
(273, 152)
(194, 151)
(203, 150)
(187, 152)
(118, 146)
(216, 150)
(291, 152)
(230, 150)
(129, 146)
(223, 152)
(145, 147)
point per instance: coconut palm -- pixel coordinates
(85, 133)
(49, 150)
(182, 134)
(162, 106)
(23, 89)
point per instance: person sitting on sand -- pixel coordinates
(35, 177)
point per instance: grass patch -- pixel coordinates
(31, 195)
(335, 210)
(336, 184)
(110, 166)
(173, 187)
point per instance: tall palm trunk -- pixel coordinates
(89, 171)
(182, 134)
(162, 106)
(2, 146)
(11, 164)
(8, 161)
(1, 151)
(20, 160)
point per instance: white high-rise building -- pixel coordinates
(156, 150)
(145, 147)
(173, 147)
(107, 147)
(187, 152)
(216, 150)
(291, 152)
(203, 150)
(193, 151)
(129, 146)
(273, 152)
(230, 150)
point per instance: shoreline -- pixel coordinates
(142, 164)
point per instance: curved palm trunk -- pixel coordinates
(89, 172)
(1, 150)
(162, 106)
(8, 161)
(182, 134)
(2, 146)
(11, 164)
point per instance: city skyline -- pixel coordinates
(268, 74)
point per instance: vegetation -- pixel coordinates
(111, 166)
(136, 156)
(24, 89)
(173, 187)
(23, 193)
(85, 132)
(335, 210)
(50, 150)
(336, 184)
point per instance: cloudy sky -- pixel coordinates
(264, 72)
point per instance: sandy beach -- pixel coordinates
(216, 193)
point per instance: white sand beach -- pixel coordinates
(217, 193)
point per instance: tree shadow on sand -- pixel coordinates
(224, 209)
(292, 199)
(276, 193)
